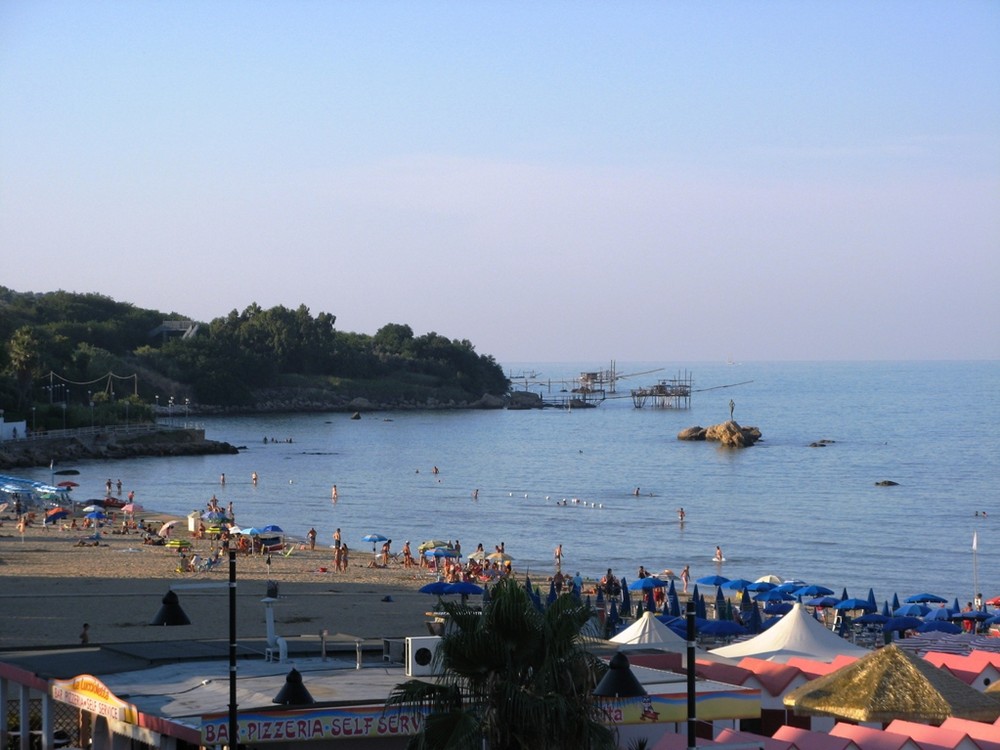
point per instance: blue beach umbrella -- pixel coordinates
(437, 552)
(626, 609)
(551, 598)
(778, 608)
(939, 626)
(650, 601)
(613, 618)
(895, 601)
(754, 620)
(852, 604)
(673, 602)
(700, 610)
(885, 609)
(759, 587)
(955, 606)
(647, 584)
(720, 604)
(938, 613)
(737, 584)
(813, 591)
(843, 595)
(465, 588)
(774, 596)
(899, 624)
(713, 580)
(95, 515)
(873, 618)
(435, 587)
(272, 529)
(871, 599)
(599, 601)
(911, 610)
(723, 627)
(925, 598)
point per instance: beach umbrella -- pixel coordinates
(435, 587)
(55, 514)
(871, 599)
(715, 580)
(753, 621)
(939, 613)
(437, 552)
(374, 539)
(745, 602)
(673, 602)
(994, 602)
(899, 624)
(925, 598)
(464, 588)
(626, 609)
(852, 604)
(132, 508)
(813, 591)
(778, 608)
(429, 544)
(776, 580)
(599, 601)
(885, 609)
(973, 614)
(722, 627)
(759, 587)
(251, 531)
(790, 586)
(646, 584)
(499, 557)
(720, 604)
(938, 626)
(737, 584)
(650, 601)
(93, 508)
(613, 617)
(700, 610)
(911, 610)
(774, 595)
(527, 584)
(551, 598)
(895, 601)
(67, 484)
(955, 607)
(165, 528)
(843, 595)
(872, 618)
(95, 515)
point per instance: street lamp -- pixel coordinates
(172, 614)
(91, 414)
(187, 403)
(32, 420)
(157, 412)
(170, 410)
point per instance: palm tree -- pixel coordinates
(512, 677)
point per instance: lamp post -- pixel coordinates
(157, 412)
(692, 693)
(187, 403)
(91, 414)
(170, 411)
(32, 420)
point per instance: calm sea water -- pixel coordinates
(780, 507)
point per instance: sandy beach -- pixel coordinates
(51, 586)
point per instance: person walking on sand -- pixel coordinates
(311, 535)
(558, 556)
(336, 539)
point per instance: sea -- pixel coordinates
(534, 479)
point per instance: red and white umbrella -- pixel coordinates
(132, 508)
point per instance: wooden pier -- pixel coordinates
(672, 393)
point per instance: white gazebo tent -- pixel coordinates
(649, 632)
(796, 634)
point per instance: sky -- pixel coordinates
(552, 181)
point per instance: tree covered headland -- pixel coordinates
(64, 352)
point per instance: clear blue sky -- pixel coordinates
(679, 181)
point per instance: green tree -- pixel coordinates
(512, 677)
(23, 360)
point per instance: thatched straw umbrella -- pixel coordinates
(892, 684)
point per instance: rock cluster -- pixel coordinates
(729, 434)
(39, 452)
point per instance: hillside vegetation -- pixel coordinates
(65, 356)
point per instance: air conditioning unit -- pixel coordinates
(420, 653)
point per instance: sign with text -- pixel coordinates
(90, 694)
(311, 724)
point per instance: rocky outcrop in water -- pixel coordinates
(109, 445)
(729, 434)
